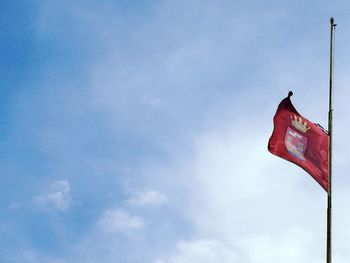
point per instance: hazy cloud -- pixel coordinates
(57, 196)
(148, 198)
(202, 250)
(118, 220)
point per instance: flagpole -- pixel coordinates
(330, 133)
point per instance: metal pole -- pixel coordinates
(330, 134)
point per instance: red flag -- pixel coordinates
(299, 141)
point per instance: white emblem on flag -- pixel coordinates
(296, 144)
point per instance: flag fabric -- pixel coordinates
(300, 141)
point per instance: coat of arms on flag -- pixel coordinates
(295, 143)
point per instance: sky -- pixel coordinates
(136, 131)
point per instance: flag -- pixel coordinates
(296, 139)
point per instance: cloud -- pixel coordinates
(248, 202)
(118, 220)
(57, 196)
(148, 198)
(202, 250)
(287, 247)
(244, 206)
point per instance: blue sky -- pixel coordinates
(136, 131)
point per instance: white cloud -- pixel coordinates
(118, 220)
(148, 198)
(57, 196)
(287, 247)
(248, 202)
(204, 251)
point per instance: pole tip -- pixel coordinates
(332, 20)
(290, 94)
